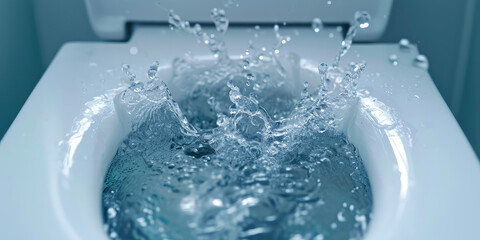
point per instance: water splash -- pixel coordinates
(214, 42)
(245, 153)
(128, 72)
(219, 19)
(361, 20)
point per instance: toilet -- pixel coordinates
(424, 174)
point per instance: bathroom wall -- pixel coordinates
(60, 21)
(469, 112)
(443, 30)
(20, 65)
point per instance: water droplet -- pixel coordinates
(174, 20)
(152, 70)
(246, 63)
(340, 217)
(133, 50)
(421, 61)
(197, 29)
(322, 68)
(317, 24)
(393, 59)
(128, 72)
(276, 27)
(250, 76)
(333, 225)
(219, 19)
(404, 44)
(362, 18)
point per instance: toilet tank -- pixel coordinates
(109, 18)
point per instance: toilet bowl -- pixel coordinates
(424, 173)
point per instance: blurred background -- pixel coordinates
(32, 31)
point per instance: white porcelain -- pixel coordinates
(110, 17)
(424, 181)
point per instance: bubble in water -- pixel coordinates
(393, 59)
(221, 119)
(362, 18)
(219, 19)
(421, 61)
(250, 76)
(211, 100)
(404, 44)
(317, 24)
